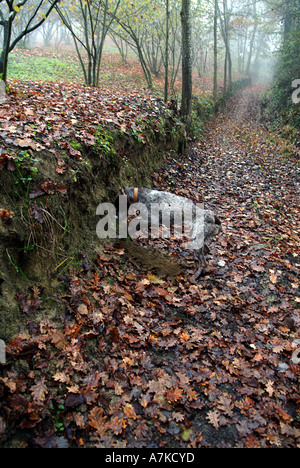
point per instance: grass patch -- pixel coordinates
(29, 67)
(63, 65)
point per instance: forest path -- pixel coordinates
(248, 176)
(250, 288)
(245, 165)
(251, 178)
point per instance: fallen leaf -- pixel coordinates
(273, 278)
(269, 388)
(6, 216)
(98, 421)
(213, 418)
(82, 309)
(39, 391)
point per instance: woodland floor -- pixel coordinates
(143, 359)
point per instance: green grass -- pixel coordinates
(43, 68)
(45, 65)
(63, 65)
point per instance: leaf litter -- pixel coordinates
(143, 359)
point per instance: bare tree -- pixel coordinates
(225, 17)
(128, 29)
(186, 104)
(89, 23)
(9, 13)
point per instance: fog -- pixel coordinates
(240, 38)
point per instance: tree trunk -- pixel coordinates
(225, 34)
(229, 67)
(251, 51)
(225, 70)
(8, 43)
(244, 52)
(5, 49)
(215, 52)
(146, 70)
(186, 104)
(252, 41)
(167, 52)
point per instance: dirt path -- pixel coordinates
(244, 164)
(251, 180)
(142, 359)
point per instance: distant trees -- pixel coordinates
(152, 31)
(219, 38)
(225, 16)
(287, 69)
(166, 90)
(89, 21)
(37, 11)
(134, 25)
(215, 88)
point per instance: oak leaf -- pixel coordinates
(269, 388)
(213, 418)
(174, 395)
(130, 412)
(117, 425)
(98, 421)
(39, 391)
(225, 405)
(79, 420)
(9, 383)
(61, 377)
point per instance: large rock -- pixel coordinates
(203, 225)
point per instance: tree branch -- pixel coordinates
(29, 29)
